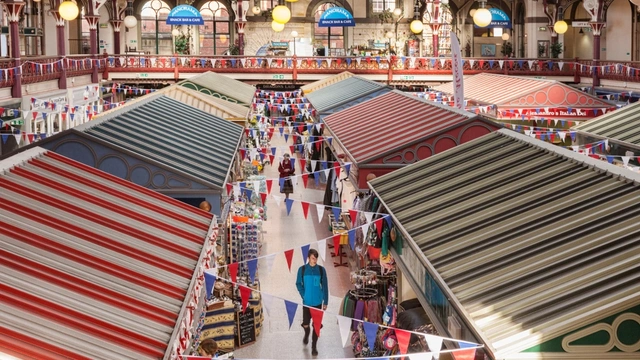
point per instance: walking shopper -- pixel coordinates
(286, 171)
(313, 288)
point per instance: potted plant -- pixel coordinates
(507, 48)
(555, 49)
(386, 16)
(467, 49)
(320, 50)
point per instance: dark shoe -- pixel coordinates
(305, 340)
(314, 352)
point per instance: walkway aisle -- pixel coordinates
(280, 233)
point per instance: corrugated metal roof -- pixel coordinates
(622, 124)
(412, 120)
(342, 92)
(329, 80)
(232, 89)
(91, 266)
(532, 240)
(357, 101)
(209, 104)
(495, 89)
(172, 134)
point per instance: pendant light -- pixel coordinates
(276, 26)
(281, 14)
(416, 25)
(560, 26)
(482, 16)
(68, 10)
(130, 21)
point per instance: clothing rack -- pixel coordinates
(363, 293)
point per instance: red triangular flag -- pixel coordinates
(245, 293)
(35, 115)
(305, 177)
(316, 315)
(30, 136)
(243, 154)
(336, 243)
(271, 157)
(303, 164)
(336, 165)
(354, 216)
(291, 148)
(289, 255)
(229, 188)
(233, 272)
(466, 354)
(2, 111)
(378, 223)
(246, 131)
(403, 337)
(269, 183)
(305, 208)
(300, 128)
(263, 197)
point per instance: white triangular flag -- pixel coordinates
(365, 229)
(435, 344)
(344, 324)
(18, 137)
(412, 62)
(326, 173)
(471, 62)
(269, 60)
(442, 60)
(562, 135)
(313, 165)
(500, 62)
(243, 61)
(555, 121)
(368, 216)
(236, 190)
(606, 143)
(320, 210)
(256, 186)
(267, 301)
(560, 65)
(322, 248)
(290, 129)
(358, 60)
(278, 199)
(625, 160)
(153, 62)
(299, 61)
(575, 148)
(530, 64)
(329, 62)
(270, 259)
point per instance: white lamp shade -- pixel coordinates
(472, 12)
(505, 36)
(294, 34)
(482, 17)
(131, 21)
(560, 27)
(281, 14)
(68, 10)
(276, 26)
(256, 10)
(416, 26)
(398, 11)
(388, 35)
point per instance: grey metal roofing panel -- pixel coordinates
(210, 104)
(223, 84)
(622, 124)
(532, 240)
(91, 266)
(173, 134)
(342, 92)
(332, 79)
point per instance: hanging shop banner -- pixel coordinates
(499, 19)
(184, 15)
(456, 65)
(336, 16)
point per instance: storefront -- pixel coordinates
(221, 86)
(521, 245)
(161, 144)
(94, 267)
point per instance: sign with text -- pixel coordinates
(336, 17)
(184, 15)
(246, 327)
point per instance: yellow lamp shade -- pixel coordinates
(68, 10)
(416, 26)
(505, 36)
(292, 0)
(560, 27)
(281, 14)
(256, 10)
(276, 26)
(482, 17)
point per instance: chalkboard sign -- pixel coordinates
(246, 327)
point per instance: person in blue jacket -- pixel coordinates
(314, 290)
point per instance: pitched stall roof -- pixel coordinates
(532, 240)
(209, 104)
(621, 125)
(221, 86)
(329, 80)
(342, 92)
(504, 90)
(369, 130)
(91, 266)
(172, 134)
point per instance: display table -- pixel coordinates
(339, 228)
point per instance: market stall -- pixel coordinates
(337, 96)
(94, 267)
(159, 143)
(329, 80)
(221, 86)
(526, 247)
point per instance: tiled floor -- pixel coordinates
(282, 232)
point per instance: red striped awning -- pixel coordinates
(389, 122)
(91, 266)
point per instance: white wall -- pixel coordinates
(106, 34)
(50, 38)
(617, 33)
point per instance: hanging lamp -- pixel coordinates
(68, 10)
(482, 16)
(416, 25)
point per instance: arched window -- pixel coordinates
(215, 35)
(155, 33)
(331, 37)
(444, 32)
(379, 6)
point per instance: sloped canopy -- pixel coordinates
(620, 125)
(329, 80)
(342, 92)
(221, 86)
(209, 104)
(527, 243)
(91, 266)
(373, 136)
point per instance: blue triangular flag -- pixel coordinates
(378, 59)
(291, 311)
(309, 128)
(466, 345)
(610, 159)
(273, 151)
(142, 61)
(352, 238)
(286, 136)
(323, 165)
(281, 131)
(550, 63)
(248, 192)
(4, 138)
(347, 167)
(293, 167)
(202, 62)
(209, 280)
(371, 330)
(329, 139)
(281, 180)
(253, 266)
(316, 176)
(389, 221)
(319, 61)
(305, 253)
(336, 212)
(233, 62)
(433, 63)
(300, 148)
(491, 64)
(520, 63)
(348, 61)
(289, 203)
(43, 136)
(242, 185)
(573, 135)
(289, 63)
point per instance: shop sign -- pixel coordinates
(499, 19)
(336, 17)
(184, 15)
(16, 122)
(408, 77)
(278, 77)
(142, 75)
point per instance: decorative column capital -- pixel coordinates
(596, 27)
(56, 15)
(240, 27)
(93, 21)
(116, 25)
(13, 10)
